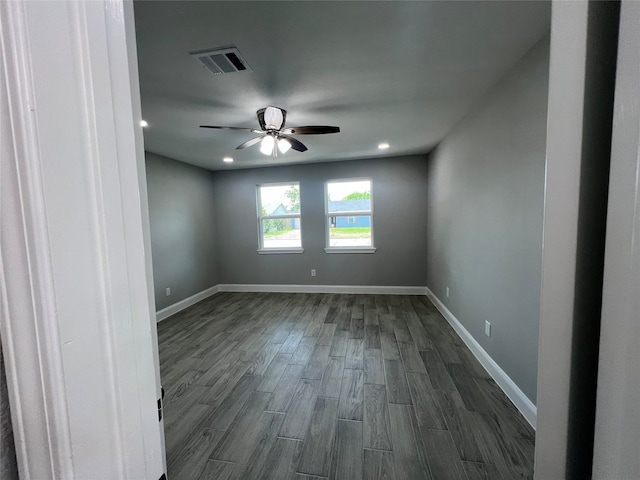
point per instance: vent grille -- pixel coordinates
(222, 60)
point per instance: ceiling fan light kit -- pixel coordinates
(274, 136)
(267, 144)
(284, 145)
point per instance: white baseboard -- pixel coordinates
(355, 289)
(185, 303)
(517, 396)
(236, 287)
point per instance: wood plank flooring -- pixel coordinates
(327, 386)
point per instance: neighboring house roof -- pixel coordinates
(349, 205)
(275, 209)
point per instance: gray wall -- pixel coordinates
(399, 196)
(182, 218)
(8, 463)
(485, 211)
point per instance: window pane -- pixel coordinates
(350, 231)
(281, 233)
(280, 199)
(349, 196)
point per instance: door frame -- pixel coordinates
(76, 303)
(582, 70)
(77, 309)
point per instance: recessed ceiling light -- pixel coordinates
(383, 146)
(143, 123)
(227, 160)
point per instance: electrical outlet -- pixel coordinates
(447, 292)
(168, 291)
(313, 272)
(487, 328)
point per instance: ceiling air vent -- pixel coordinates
(222, 60)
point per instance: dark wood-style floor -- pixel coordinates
(300, 386)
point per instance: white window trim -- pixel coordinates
(275, 250)
(353, 213)
(350, 250)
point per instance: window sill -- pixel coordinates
(350, 250)
(276, 251)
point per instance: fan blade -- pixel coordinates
(295, 144)
(311, 130)
(271, 118)
(249, 143)
(232, 128)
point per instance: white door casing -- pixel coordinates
(617, 425)
(562, 192)
(76, 305)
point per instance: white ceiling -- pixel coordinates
(404, 72)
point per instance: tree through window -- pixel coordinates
(279, 226)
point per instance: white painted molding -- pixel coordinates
(30, 335)
(279, 251)
(235, 287)
(350, 250)
(186, 303)
(508, 386)
(141, 195)
(616, 424)
(351, 289)
(75, 312)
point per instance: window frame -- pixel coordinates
(276, 250)
(327, 218)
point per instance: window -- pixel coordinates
(349, 216)
(279, 226)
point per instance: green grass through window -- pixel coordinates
(277, 233)
(351, 232)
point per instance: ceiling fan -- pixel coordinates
(274, 136)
